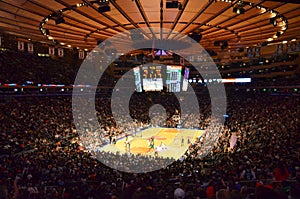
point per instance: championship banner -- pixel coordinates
(297, 49)
(51, 51)
(89, 56)
(30, 47)
(199, 58)
(279, 48)
(257, 52)
(191, 58)
(181, 61)
(81, 55)
(288, 47)
(20, 45)
(249, 52)
(60, 52)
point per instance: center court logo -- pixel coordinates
(140, 147)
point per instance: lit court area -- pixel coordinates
(168, 142)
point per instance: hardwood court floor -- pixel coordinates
(170, 137)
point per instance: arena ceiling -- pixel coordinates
(82, 25)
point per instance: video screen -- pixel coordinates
(173, 81)
(185, 81)
(137, 79)
(152, 78)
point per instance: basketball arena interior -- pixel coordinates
(140, 99)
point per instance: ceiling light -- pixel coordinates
(273, 21)
(263, 10)
(270, 39)
(284, 42)
(59, 20)
(273, 14)
(239, 10)
(293, 40)
(279, 33)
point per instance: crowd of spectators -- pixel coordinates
(42, 155)
(40, 152)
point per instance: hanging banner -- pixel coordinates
(288, 47)
(191, 58)
(257, 52)
(81, 55)
(89, 56)
(279, 48)
(297, 48)
(30, 47)
(199, 58)
(51, 51)
(60, 52)
(249, 52)
(20, 45)
(181, 61)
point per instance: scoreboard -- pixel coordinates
(173, 81)
(185, 81)
(153, 77)
(137, 79)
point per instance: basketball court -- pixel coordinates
(168, 142)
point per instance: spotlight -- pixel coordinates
(103, 6)
(196, 36)
(59, 20)
(278, 34)
(239, 10)
(179, 6)
(264, 43)
(47, 31)
(55, 42)
(217, 43)
(273, 21)
(172, 4)
(224, 45)
(104, 9)
(240, 50)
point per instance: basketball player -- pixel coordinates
(182, 141)
(189, 140)
(128, 146)
(125, 145)
(151, 144)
